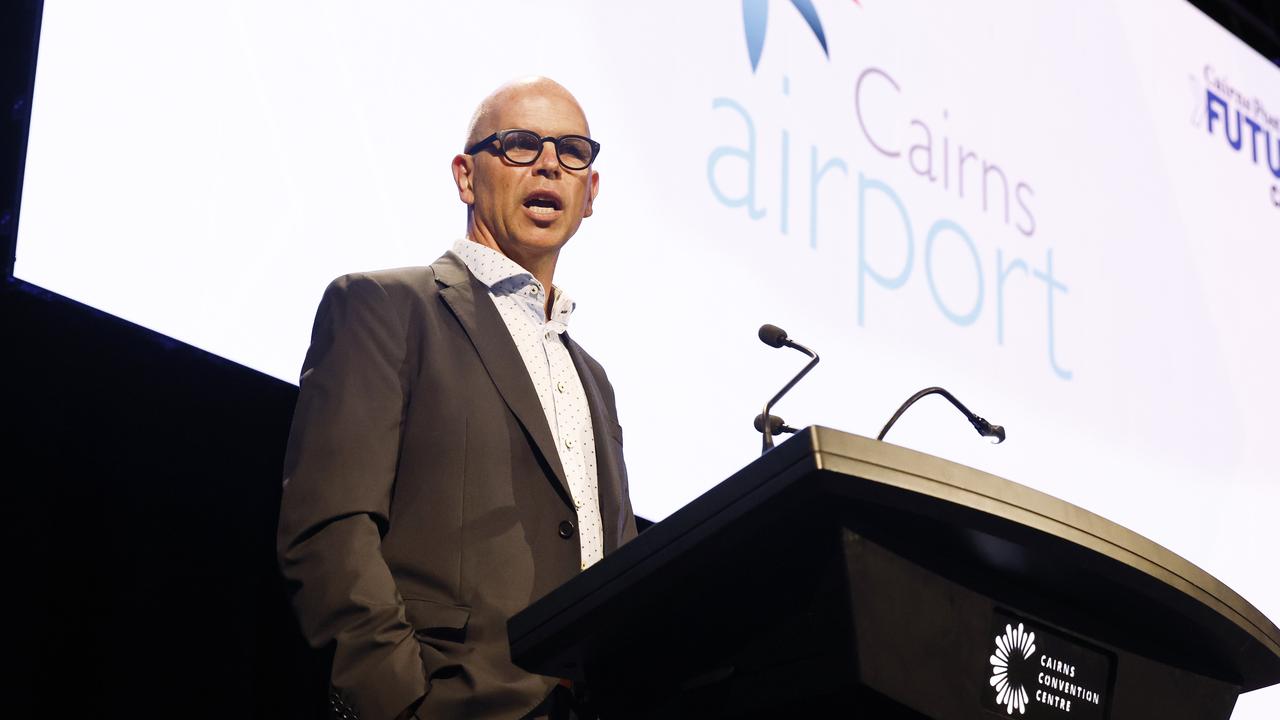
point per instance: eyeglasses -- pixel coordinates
(523, 147)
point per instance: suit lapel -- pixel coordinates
(608, 479)
(469, 301)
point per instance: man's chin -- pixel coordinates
(537, 241)
(550, 236)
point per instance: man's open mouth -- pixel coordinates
(543, 203)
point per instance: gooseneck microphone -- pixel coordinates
(776, 425)
(770, 425)
(984, 428)
(772, 335)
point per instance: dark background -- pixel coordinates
(140, 480)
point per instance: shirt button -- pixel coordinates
(577, 504)
(559, 386)
(568, 443)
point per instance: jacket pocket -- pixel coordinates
(429, 616)
(441, 631)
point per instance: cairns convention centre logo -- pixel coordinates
(1010, 666)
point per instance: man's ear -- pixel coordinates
(591, 194)
(464, 168)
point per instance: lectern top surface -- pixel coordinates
(924, 474)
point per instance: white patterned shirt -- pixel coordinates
(521, 301)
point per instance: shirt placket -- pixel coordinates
(522, 303)
(571, 416)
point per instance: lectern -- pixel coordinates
(839, 576)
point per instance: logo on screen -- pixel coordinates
(1010, 666)
(755, 19)
(971, 280)
(1242, 119)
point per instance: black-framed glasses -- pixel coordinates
(523, 147)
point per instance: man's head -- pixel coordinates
(527, 212)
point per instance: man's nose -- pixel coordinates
(548, 162)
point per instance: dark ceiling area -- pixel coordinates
(1257, 22)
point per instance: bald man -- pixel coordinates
(454, 455)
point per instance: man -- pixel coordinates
(454, 455)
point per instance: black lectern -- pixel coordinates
(842, 576)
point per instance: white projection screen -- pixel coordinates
(1067, 213)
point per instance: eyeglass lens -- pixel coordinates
(524, 147)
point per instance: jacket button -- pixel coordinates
(566, 529)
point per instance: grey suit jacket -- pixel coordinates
(424, 500)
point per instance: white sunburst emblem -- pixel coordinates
(1013, 647)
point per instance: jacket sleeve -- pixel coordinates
(339, 471)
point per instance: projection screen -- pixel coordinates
(1066, 213)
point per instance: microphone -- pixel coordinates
(774, 336)
(777, 425)
(984, 428)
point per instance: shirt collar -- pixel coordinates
(504, 276)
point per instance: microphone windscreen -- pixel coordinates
(772, 335)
